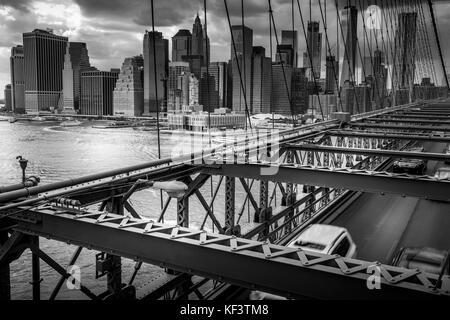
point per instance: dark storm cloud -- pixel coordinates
(22, 5)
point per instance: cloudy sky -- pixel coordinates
(113, 29)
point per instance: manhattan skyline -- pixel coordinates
(114, 30)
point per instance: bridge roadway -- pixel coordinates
(381, 225)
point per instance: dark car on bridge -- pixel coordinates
(411, 166)
(427, 260)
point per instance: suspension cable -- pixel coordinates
(336, 76)
(237, 62)
(309, 53)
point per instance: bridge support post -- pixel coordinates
(265, 212)
(36, 271)
(183, 212)
(230, 205)
(5, 277)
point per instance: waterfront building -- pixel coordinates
(348, 97)
(174, 91)
(43, 64)
(153, 88)
(326, 103)
(76, 60)
(8, 97)
(97, 89)
(209, 96)
(202, 121)
(17, 79)
(128, 96)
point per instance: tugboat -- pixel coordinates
(70, 122)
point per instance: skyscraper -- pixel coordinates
(200, 43)
(181, 45)
(281, 89)
(162, 68)
(349, 25)
(314, 40)
(209, 96)
(332, 74)
(8, 97)
(285, 54)
(17, 79)
(97, 92)
(405, 42)
(289, 37)
(261, 88)
(44, 62)
(219, 71)
(128, 96)
(174, 93)
(300, 94)
(243, 37)
(76, 60)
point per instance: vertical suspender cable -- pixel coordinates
(207, 71)
(237, 62)
(335, 72)
(438, 42)
(309, 53)
(156, 90)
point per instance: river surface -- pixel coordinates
(58, 153)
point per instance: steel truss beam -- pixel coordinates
(412, 137)
(398, 127)
(293, 273)
(390, 120)
(408, 116)
(356, 180)
(372, 152)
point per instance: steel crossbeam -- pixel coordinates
(293, 273)
(372, 152)
(348, 179)
(398, 127)
(388, 135)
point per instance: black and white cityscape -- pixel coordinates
(185, 150)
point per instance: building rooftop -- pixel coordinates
(183, 33)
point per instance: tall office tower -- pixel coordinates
(285, 54)
(363, 98)
(332, 74)
(195, 64)
(281, 89)
(243, 38)
(261, 89)
(97, 89)
(218, 70)
(348, 97)
(76, 60)
(43, 64)
(193, 90)
(314, 39)
(8, 97)
(128, 96)
(17, 79)
(300, 94)
(405, 42)
(376, 76)
(200, 44)
(209, 96)
(183, 87)
(230, 85)
(289, 37)
(349, 25)
(151, 88)
(181, 45)
(176, 69)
